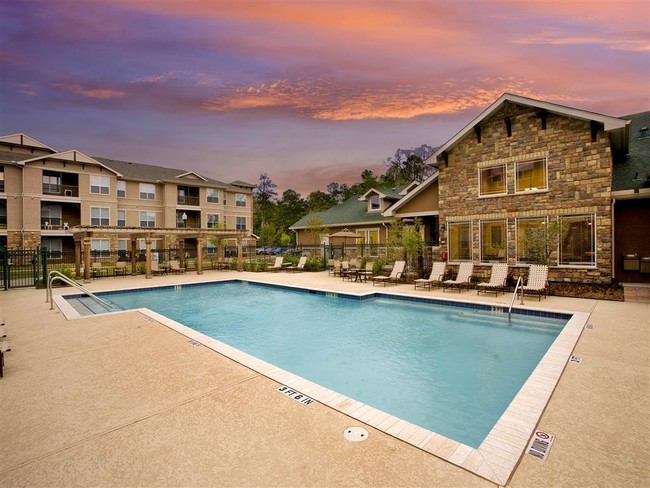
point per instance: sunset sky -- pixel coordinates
(308, 91)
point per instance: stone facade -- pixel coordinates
(579, 172)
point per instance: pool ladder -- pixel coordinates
(57, 275)
(518, 287)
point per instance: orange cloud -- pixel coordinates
(90, 92)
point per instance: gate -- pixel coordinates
(19, 268)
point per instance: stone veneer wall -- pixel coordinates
(579, 180)
(17, 240)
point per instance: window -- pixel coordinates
(493, 241)
(224, 198)
(531, 240)
(213, 221)
(374, 203)
(121, 188)
(240, 199)
(212, 194)
(147, 219)
(147, 191)
(100, 247)
(99, 215)
(142, 245)
(50, 215)
(578, 240)
(3, 215)
(211, 246)
(122, 247)
(223, 222)
(2, 178)
(531, 175)
(121, 218)
(460, 248)
(492, 180)
(54, 247)
(241, 223)
(99, 185)
(51, 182)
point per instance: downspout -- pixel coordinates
(613, 242)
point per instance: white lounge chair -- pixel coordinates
(497, 282)
(277, 266)
(462, 279)
(435, 277)
(394, 277)
(175, 266)
(299, 267)
(537, 283)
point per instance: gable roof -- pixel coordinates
(617, 127)
(390, 212)
(73, 156)
(389, 194)
(353, 211)
(633, 171)
(21, 139)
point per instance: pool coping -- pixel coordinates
(497, 456)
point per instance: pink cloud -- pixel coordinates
(90, 92)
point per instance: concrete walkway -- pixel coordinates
(123, 401)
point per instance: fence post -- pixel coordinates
(5, 268)
(43, 252)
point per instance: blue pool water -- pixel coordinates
(452, 370)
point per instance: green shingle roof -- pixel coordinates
(634, 170)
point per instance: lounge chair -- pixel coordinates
(299, 267)
(5, 346)
(498, 277)
(175, 266)
(394, 277)
(537, 283)
(462, 279)
(435, 277)
(156, 269)
(277, 266)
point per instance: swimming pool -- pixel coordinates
(450, 368)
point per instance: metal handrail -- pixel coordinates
(518, 286)
(57, 275)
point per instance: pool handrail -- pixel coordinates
(518, 286)
(57, 275)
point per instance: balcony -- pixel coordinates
(188, 195)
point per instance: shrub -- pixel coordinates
(314, 263)
(66, 271)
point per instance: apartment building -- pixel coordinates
(47, 197)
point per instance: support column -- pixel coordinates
(86, 245)
(199, 256)
(239, 255)
(147, 242)
(134, 257)
(78, 251)
(181, 252)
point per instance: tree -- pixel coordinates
(338, 192)
(540, 243)
(316, 229)
(318, 201)
(403, 171)
(405, 242)
(264, 197)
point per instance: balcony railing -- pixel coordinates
(187, 200)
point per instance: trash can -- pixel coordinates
(630, 262)
(645, 265)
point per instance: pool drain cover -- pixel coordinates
(355, 434)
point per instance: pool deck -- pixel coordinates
(123, 401)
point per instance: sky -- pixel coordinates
(310, 92)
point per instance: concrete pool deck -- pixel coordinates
(123, 401)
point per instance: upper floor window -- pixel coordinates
(121, 218)
(531, 175)
(240, 199)
(213, 221)
(52, 182)
(3, 215)
(50, 215)
(374, 203)
(99, 215)
(492, 180)
(241, 223)
(121, 188)
(147, 219)
(99, 184)
(212, 195)
(147, 191)
(2, 178)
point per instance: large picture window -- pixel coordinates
(492, 180)
(531, 240)
(460, 241)
(493, 241)
(531, 175)
(578, 240)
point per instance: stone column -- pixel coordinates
(239, 255)
(181, 252)
(86, 245)
(147, 242)
(199, 256)
(134, 257)
(78, 251)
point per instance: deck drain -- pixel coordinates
(355, 434)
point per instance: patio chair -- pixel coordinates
(98, 270)
(463, 278)
(277, 266)
(175, 266)
(537, 283)
(394, 277)
(156, 269)
(5, 346)
(335, 270)
(345, 272)
(366, 273)
(498, 277)
(120, 268)
(435, 277)
(299, 267)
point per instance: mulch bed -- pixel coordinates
(612, 292)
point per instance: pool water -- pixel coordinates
(452, 370)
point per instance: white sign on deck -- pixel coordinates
(540, 444)
(296, 395)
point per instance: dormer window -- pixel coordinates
(374, 204)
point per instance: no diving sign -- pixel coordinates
(540, 444)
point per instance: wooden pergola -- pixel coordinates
(83, 234)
